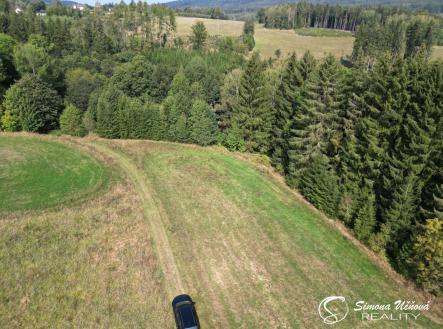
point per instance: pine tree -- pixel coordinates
(252, 113)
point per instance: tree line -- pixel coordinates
(303, 14)
(362, 142)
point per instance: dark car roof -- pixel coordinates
(187, 316)
(181, 298)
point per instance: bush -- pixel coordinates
(34, 105)
(71, 122)
(233, 140)
(249, 41)
(8, 122)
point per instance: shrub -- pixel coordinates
(8, 122)
(71, 122)
(34, 105)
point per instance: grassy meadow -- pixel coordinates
(36, 174)
(179, 218)
(319, 42)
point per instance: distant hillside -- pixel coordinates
(235, 5)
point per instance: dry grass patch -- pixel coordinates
(288, 41)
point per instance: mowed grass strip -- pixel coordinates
(248, 252)
(320, 42)
(89, 266)
(37, 173)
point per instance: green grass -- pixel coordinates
(249, 251)
(36, 174)
(320, 32)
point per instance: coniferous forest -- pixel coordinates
(360, 138)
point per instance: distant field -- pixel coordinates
(268, 40)
(319, 41)
(182, 218)
(320, 32)
(35, 174)
(438, 52)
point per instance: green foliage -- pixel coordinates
(138, 120)
(31, 56)
(8, 122)
(107, 112)
(233, 139)
(249, 27)
(249, 41)
(34, 105)
(322, 32)
(286, 105)
(319, 184)
(7, 69)
(252, 113)
(365, 220)
(426, 260)
(80, 83)
(199, 36)
(88, 121)
(316, 128)
(401, 36)
(229, 92)
(71, 122)
(202, 124)
(135, 78)
(177, 107)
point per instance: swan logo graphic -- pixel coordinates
(333, 309)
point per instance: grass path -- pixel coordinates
(155, 214)
(181, 218)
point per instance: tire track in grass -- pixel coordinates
(155, 214)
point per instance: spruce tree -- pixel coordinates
(202, 124)
(177, 107)
(107, 112)
(286, 103)
(315, 129)
(71, 121)
(365, 219)
(252, 113)
(319, 184)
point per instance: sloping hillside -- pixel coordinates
(181, 218)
